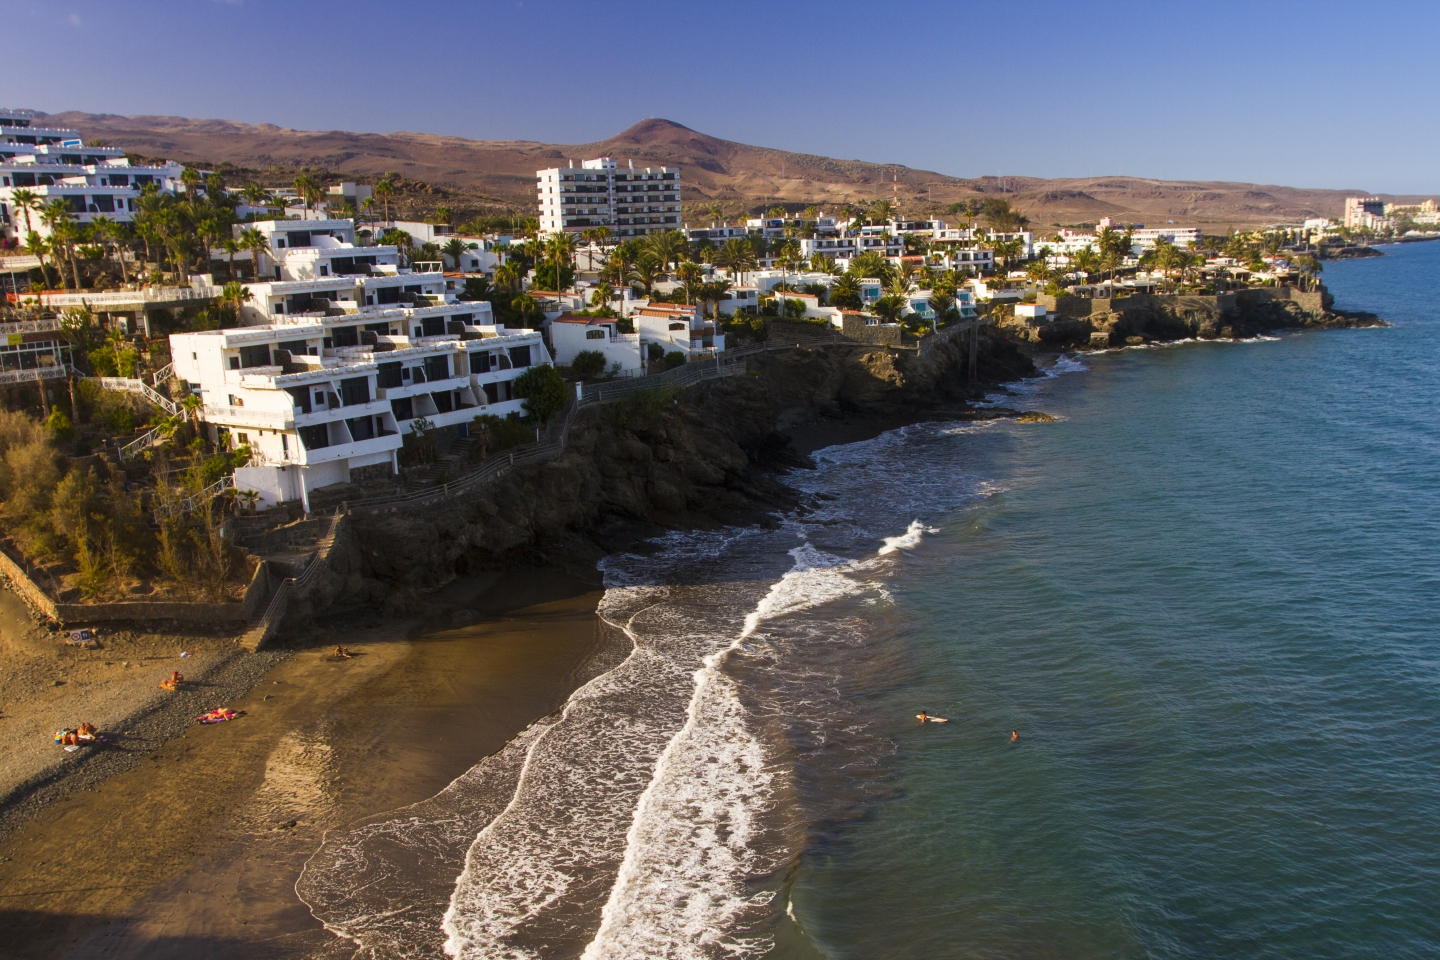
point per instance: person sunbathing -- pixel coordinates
(174, 682)
(341, 653)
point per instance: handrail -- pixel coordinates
(132, 385)
(188, 504)
(54, 372)
(140, 444)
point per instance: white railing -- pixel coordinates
(190, 503)
(103, 298)
(279, 604)
(131, 385)
(267, 418)
(32, 326)
(35, 375)
(151, 438)
(163, 374)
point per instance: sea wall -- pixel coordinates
(135, 610)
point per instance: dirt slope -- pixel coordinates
(502, 171)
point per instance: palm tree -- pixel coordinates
(716, 211)
(25, 201)
(871, 264)
(1085, 262)
(942, 302)
(883, 210)
(443, 214)
(191, 180)
(561, 250)
(308, 189)
(455, 248)
(888, 308)
(231, 246)
(385, 190)
(56, 214)
(602, 295)
(104, 229)
(737, 256)
(508, 276)
(36, 246)
(669, 246)
(846, 292)
(235, 294)
(648, 269)
(253, 240)
(255, 195)
(690, 274)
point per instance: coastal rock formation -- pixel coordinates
(1103, 322)
(701, 458)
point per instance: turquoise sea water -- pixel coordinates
(1205, 598)
(1207, 601)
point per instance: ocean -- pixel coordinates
(1203, 600)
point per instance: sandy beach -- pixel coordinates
(194, 850)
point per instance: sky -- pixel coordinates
(1315, 94)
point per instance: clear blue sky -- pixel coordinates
(1315, 94)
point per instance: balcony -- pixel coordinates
(384, 443)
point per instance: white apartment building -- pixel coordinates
(1143, 239)
(56, 163)
(844, 249)
(318, 410)
(571, 334)
(599, 193)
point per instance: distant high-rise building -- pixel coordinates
(1365, 213)
(631, 202)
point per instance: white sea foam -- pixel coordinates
(908, 540)
(682, 888)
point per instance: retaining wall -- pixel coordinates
(64, 613)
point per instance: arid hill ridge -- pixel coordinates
(501, 172)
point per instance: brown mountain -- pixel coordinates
(500, 173)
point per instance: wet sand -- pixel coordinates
(196, 852)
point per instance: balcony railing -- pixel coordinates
(34, 375)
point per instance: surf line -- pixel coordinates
(454, 938)
(610, 939)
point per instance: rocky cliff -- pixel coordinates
(704, 457)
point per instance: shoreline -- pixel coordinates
(196, 848)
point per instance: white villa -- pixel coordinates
(56, 163)
(571, 334)
(676, 326)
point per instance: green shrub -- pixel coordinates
(655, 351)
(674, 359)
(588, 364)
(543, 391)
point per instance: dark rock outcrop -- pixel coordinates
(700, 458)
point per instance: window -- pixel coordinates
(355, 390)
(242, 438)
(677, 326)
(403, 408)
(594, 334)
(234, 363)
(388, 375)
(314, 438)
(361, 428)
(520, 356)
(320, 397)
(301, 398)
(255, 356)
(436, 368)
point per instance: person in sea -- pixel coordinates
(924, 717)
(1014, 735)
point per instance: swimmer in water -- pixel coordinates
(924, 717)
(1014, 735)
